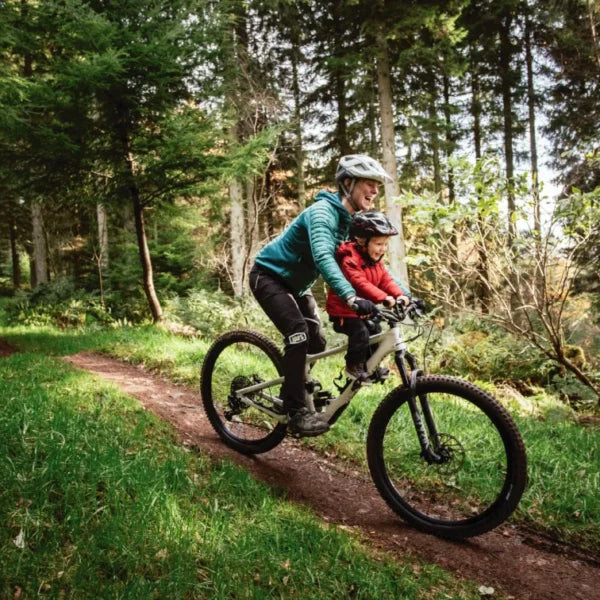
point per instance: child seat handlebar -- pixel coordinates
(399, 312)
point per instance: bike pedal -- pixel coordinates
(298, 435)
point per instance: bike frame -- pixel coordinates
(390, 341)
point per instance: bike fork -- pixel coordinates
(422, 417)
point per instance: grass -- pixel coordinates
(99, 501)
(562, 497)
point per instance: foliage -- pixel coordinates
(57, 303)
(480, 350)
(523, 280)
(215, 312)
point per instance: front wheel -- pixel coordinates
(480, 468)
(240, 359)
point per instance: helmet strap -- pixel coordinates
(348, 193)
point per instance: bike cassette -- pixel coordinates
(235, 404)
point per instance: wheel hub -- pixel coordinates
(451, 453)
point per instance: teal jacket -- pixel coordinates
(307, 247)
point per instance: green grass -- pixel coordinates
(562, 497)
(99, 500)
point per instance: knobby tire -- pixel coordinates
(226, 355)
(414, 494)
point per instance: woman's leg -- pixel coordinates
(281, 307)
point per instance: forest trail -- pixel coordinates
(513, 560)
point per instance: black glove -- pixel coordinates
(419, 304)
(363, 307)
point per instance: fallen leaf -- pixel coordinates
(19, 541)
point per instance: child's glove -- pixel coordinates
(361, 306)
(389, 302)
(419, 304)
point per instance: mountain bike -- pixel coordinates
(443, 453)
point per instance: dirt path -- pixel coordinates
(6, 349)
(513, 561)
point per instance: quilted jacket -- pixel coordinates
(371, 280)
(307, 247)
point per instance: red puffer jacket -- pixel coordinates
(370, 280)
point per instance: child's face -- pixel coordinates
(377, 247)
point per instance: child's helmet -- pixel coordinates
(371, 223)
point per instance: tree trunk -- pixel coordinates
(533, 156)
(449, 149)
(435, 140)
(339, 83)
(596, 48)
(14, 253)
(449, 139)
(253, 194)
(299, 150)
(238, 237)
(40, 256)
(102, 235)
(483, 292)
(341, 133)
(372, 123)
(140, 228)
(535, 189)
(238, 97)
(392, 191)
(506, 79)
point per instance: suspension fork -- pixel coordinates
(409, 379)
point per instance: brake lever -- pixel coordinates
(400, 311)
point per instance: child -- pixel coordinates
(360, 262)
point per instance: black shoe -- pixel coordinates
(305, 423)
(356, 372)
(379, 374)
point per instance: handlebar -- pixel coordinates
(399, 312)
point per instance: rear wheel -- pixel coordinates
(236, 360)
(478, 475)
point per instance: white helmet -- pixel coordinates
(360, 166)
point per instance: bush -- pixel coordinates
(475, 349)
(214, 312)
(57, 303)
(482, 351)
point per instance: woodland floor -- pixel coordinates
(514, 560)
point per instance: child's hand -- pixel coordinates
(389, 301)
(404, 300)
